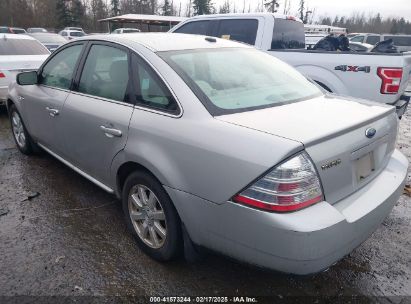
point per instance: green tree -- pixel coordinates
(78, 13)
(115, 7)
(63, 13)
(202, 7)
(166, 8)
(272, 5)
(301, 9)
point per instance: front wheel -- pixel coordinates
(20, 134)
(151, 216)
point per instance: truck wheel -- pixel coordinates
(151, 216)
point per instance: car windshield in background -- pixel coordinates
(76, 34)
(288, 34)
(21, 47)
(4, 29)
(131, 31)
(237, 80)
(49, 38)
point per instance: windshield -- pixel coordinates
(236, 80)
(76, 34)
(22, 47)
(130, 31)
(37, 30)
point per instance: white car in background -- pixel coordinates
(18, 53)
(70, 35)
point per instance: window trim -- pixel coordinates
(62, 48)
(178, 113)
(76, 80)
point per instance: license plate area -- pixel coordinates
(364, 166)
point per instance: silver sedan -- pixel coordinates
(213, 144)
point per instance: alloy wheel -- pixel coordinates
(18, 129)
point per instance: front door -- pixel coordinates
(44, 102)
(97, 115)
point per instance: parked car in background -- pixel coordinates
(17, 30)
(71, 28)
(70, 34)
(214, 143)
(5, 29)
(361, 47)
(32, 30)
(125, 31)
(18, 53)
(343, 73)
(402, 42)
(50, 40)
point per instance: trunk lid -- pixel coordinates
(10, 66)
(333, 132)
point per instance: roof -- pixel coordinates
(159, 42)
(149, 19)
(249, 15)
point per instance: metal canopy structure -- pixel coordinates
(148, 20)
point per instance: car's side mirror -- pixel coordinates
(27, 78)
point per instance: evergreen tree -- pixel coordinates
(202, 7)
(272, 5)
(78, 12)
(63, 13)
(115, 7)
(166, 8)
(301, 9)
(225, 8)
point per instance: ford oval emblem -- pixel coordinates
(370, 132)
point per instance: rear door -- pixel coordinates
(98, 112)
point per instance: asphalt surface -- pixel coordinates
(60, 235)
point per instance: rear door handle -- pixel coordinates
(52, 112)
(110, 132)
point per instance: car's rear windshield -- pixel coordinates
(233, 80)
(131, 31)
(76, 34)
(288, 34)
(21, 47)
(49, 38)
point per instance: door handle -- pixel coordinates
(110, 132)
(52, 112)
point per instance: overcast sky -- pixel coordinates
(399, 8)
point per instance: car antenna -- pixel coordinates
(210, 39)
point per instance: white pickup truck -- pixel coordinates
(379, 77)
(18, 53)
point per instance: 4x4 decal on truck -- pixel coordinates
(353, 68)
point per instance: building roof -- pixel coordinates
(147, 19)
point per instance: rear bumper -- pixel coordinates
(402, 104)
(302, 242)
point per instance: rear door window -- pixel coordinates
(195, 27)
(400, 40)
(372, 40)
(288, 34)
(242, 30)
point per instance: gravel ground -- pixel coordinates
(62, 236)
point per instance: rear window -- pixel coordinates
(195, 27)
(232, 80)
(242, 30)
(372, 40)
(76, 34)
(288, 34)
(49, 38)
(131, 31)
(21, 47)
(400, 40)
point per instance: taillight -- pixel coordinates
(391, 80)
(291, 186)
(2, 75)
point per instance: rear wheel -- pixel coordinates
(21, 136)
(151, 216)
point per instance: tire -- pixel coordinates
(151, 217)
(21, 137)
